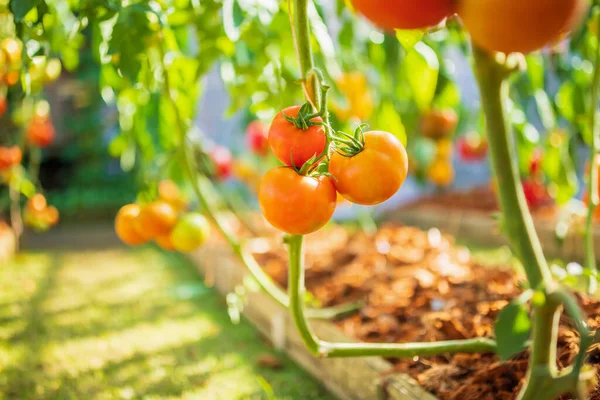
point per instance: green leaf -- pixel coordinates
(389, 117)
(409, 38)
(20, 8)
(512, 329)
(422, 69)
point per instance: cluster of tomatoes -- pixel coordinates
(439, 125)
(38, 215)
(164, 221)
(496, 25)
(300, 197)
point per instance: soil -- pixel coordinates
(420, 287)
(478, 199)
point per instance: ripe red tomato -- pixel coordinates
(258, 137)
(519, 26)
(472, 148)
(373, 175)
(155, 219)
(9, 157)
(40, 132)
(536, 193)
(222, 160)
(125, 225)
(292, 144)
(438, 124)
(190, 232)
(404, 14)
(294, 203)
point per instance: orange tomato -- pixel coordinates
(37, 203)
(291, 144)
(156, 219)
(191, 232)
(373, 175)
(125, 225)
(519, 26)
(50, 215)
(294, 203)
(404, 14)
(9, 157)
(40, 132)
(441, 172)
(165, 243)
(437, 124)
(169, 192)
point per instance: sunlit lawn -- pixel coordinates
(128, 325)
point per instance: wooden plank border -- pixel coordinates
(349, 379)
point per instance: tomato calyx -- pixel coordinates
(304, 119)
(350, 145)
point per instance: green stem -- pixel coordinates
(199, 184)
(328, 349)
(590, 253)
(517, 221)
(543, 381)
(301, 30)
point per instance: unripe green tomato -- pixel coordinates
(191, 232)
(53, 70)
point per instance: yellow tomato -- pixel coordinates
(441, 172)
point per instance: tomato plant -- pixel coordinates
(294, 140)
(296, 204)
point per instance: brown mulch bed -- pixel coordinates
(419, 286)
(480, 199)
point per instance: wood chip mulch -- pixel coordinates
(420, 287)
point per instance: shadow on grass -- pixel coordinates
(142, 328)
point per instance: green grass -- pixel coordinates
(129, 325)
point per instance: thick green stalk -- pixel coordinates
(517, 221)
(328, 349)
(543, 383)
(199, 183)
(590, 253)
(301, 31)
